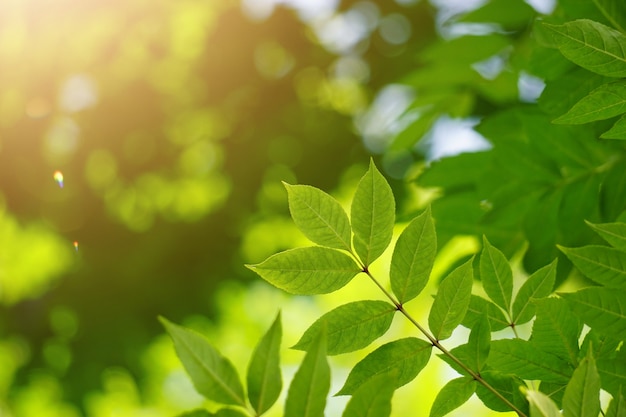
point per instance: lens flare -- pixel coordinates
(76, 245)
(58, 177)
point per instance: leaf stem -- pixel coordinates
(441, 348)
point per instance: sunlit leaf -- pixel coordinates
(413, 257)
(556, 329)
(311, 383)
(404, 357)
(453, 395)
(351, 326)
(617, 131)
(538, 285)
(602, 309)
(373, 398)
(196, 413)
(373, 215)
(213, 375)
(521, 358)
(541, 405)
(606, 101)
(479, 306)
(614, 233)
(264, 377)
(604, 265)
(496, 275)
(593, 46)
(582, 395)
(479, 344)
(319, 216)
(451, 301)
(617, 407)
(312, 270)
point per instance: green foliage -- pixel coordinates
(453, 395)
(372, 398)
(264, 380)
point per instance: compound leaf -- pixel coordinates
(451, 301)
(373, 398)
(311, 383)
(602, 309)
(319, 216)
(592, 45)
(306, 271)
(213, 375)
(582, 394)
(538, 285)
(406, 357)
(606, 101)
(556, 329)
(351, 326)
(453, 395)
(614, 233)
(264, 378)
(496, 275)
(413, 257)
(373, 215)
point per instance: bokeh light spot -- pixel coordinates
(272, 60)
(61, 140)
(77, 93)
(100, 169)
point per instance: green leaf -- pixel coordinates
(521, 358)
(602, 309)
(553, 390)
(196, 413)
(406, 357)
(556, 329)
(451, 301)
(538, 285)
(373, 215)
(613, 373)
(319, 216)
(453, 395)
(593, 46)
(312, 270)
(230, 412)
(479, 306)
(602, 345)
(479, 344)
(604, 265)
(496, 275)
(618, 131)
(351, 326)
(264, 378)
(311, 383)
(582, 395)
(413, 257)
(614, 233)
(510, 14)
(541, 405)
(614, 11)
(617, 407)
(507, 385)
(213, 375)
(373, 398)
(606, 101)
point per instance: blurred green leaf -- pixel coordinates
(372, 398)
(404, 357)
(466, 49)
(593, 46)
(373, 215)
(451, 301)
(538, 285)
(602, 264)
(613, 373)
(264, 380)
(561, 94)
(606, 101)
(541, 405)
(582, 395)
(413, 257)
(312, 270)
(510, 14)
(351, 326)
(617, 131)
(319, 216)
(602, 309)
(311, 383)
(453, 395)
(213, 375)
(617, 407)
(496, 275)
(614, 11)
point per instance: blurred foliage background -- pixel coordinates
(172, 125)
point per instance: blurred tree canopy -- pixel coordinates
(173, 124)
